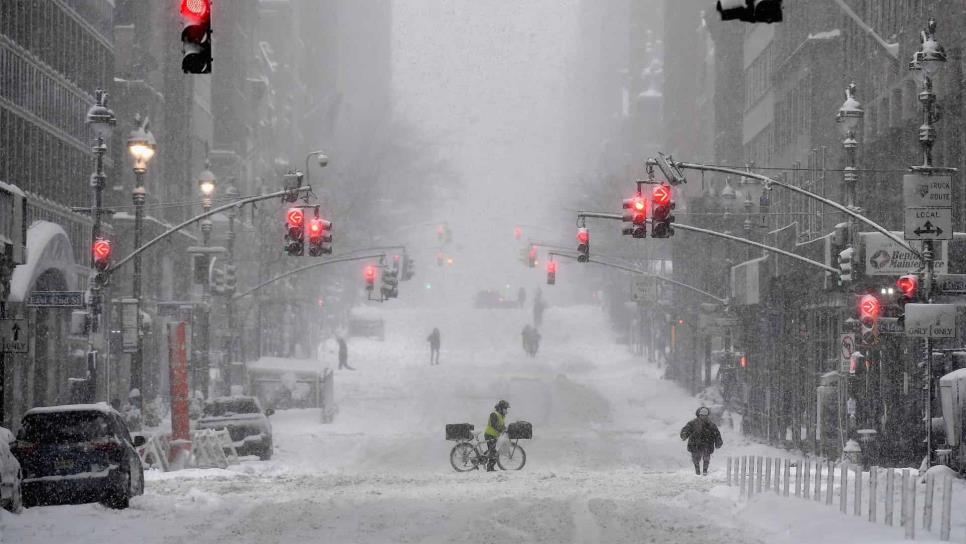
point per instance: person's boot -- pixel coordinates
(705, 468)
(697, 469)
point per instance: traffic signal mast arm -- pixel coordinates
(823, 266)
(238, 203)
(633, 270)
(767, 181)
(307, 267)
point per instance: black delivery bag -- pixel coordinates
(519, 430)
(459, 431)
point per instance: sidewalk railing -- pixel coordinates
(805, 477)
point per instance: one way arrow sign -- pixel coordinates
(929, 224)
(13, 336)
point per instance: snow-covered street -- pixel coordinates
(605, 465)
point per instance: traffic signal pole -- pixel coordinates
(768, 182)
(325, 262)
(823, 266)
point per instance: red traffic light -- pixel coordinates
(551, 267)
(295, 217)
(908, 285)
(370, 273)
(533, 252)
(583, 236)
(195, 8)
(743, 361)
(661, 195)
(315, 229)
(101, 250)
(517, 232)
(869, 308)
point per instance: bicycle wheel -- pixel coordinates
(463, 457)
(512, 457)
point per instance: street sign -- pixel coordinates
(56, 299)
(129, 325)
(846, 348)
(885, 257)
(929, 224)
(889, 325)
(13, 336)
(921, 191)
(931, 320)
(951, 283)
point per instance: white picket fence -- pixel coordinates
(209, 448)
(805, 478)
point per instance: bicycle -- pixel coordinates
(467, 455)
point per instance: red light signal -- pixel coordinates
(101, 252)
(661, 195)
(517, 232)
(743, 361)
(315, 229)
(295, 217)
(551, 266)
(551, 272)
(908, 285)
(195, 8)
(869, 308)
(370, 275)
(582, 236)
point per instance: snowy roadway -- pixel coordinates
(605, 464)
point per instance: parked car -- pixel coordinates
(10, 476)
(78, 453)
(245, 421)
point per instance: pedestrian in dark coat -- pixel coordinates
(343, 354)
(433, 339)
(703, 437)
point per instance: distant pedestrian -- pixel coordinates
(343, 354)
(703, 437)
(433, 339)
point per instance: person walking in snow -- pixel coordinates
(703, 437)
(433, 339)
(343, 354)
(494, 428)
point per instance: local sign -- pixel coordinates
(931, 320)
(921, 191)
(56, 299)
(929, 224)
(847, 345)
(13, 336)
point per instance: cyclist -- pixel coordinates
(494, 428)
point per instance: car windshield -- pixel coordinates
(230, 407)
(65, 427)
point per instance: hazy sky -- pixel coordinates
(487, 81)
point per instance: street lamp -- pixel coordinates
(231, 192)
(323, 162)
(848, 118)
(141, 144)
(206, 184)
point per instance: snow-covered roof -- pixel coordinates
(102, 407)
(12, 189)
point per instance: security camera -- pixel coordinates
(323, 160)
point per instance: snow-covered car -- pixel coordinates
(246, 422)
(10, 476)
(78, 453)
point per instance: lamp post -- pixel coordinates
(232, 193)
(926, 64)
(141, 144)
(323, 162)
(206, 184)
(102, 121)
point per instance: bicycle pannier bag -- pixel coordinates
(459, 431)
(520, 430)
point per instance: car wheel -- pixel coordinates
(120, 497)
(266, 453)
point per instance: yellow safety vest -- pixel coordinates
(490, 431)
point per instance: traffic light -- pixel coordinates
(390, 283)
(407, 272)
(751, 11)
(231, 280)
(908, 286)
(583, 245)
(637, 216)
(532, 256)
(517, 232)
(869, 309)
(370, 276)
(101, 254)
(661, 206)
(846, 265)
(196, 36)
(440, 259)
(320, 233)
(295, 232)
(551, 272)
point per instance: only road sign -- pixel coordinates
(13, 336)
(929, 224)
(931, 320)
(921, 191)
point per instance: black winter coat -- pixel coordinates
(701, 435)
